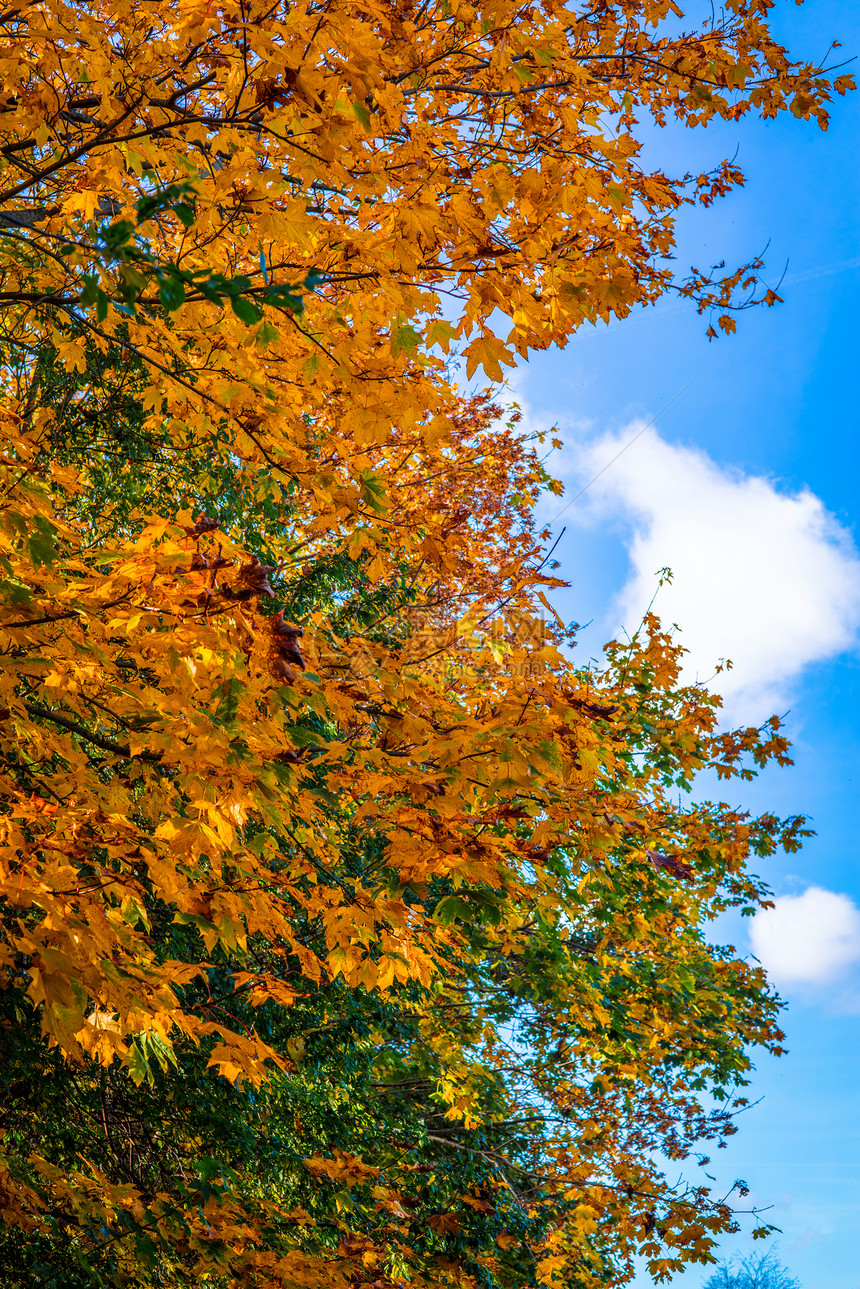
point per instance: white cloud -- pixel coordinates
(766, 578)
(808, 939)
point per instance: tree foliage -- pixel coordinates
(352, 933)
(756, 1271)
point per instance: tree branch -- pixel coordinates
(74, 727)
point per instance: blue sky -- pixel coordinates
(747, 486)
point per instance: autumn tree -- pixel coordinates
(352, 933)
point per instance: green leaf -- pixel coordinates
(236, 285)
(362, 114)
(489, 904)
(225, 712)
(266, 335)
(184, 213)
(210, 292)
(137, 1064)
(169, 198)
(373, 490)
(245, 309)
(90, 289)
(160, 1049)
(283, 297)
(405, 340)
(118, 234)
(451, 907)
(171, 291)
(41, 550)
(15, 592)
(131, 282)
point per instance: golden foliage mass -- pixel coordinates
(344, 197)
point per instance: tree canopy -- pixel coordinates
(755, 1271)
(353, 933)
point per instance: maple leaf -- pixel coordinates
(487, 352)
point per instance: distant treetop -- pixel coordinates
(756, 1271)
